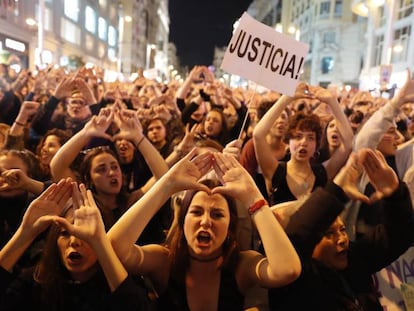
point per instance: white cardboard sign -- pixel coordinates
(259, 53)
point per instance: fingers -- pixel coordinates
(91, 200)
(64, 223)
(203, 162)
(63, 192)
(76, 197)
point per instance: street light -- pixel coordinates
(31, 22)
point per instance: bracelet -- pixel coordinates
(19, 123)
(140, 141)
(256, 206)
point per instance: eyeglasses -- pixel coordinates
(79, 102)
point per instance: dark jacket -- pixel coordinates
(321, 288)
(23, 293)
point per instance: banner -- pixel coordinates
(259, 53)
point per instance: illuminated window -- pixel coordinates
(90, 19)
(89, 42)
(112, 54)
(111, 36)
(327, 64)
(72, 9)
(102, 28)
(70, 31)
(103, 3)
(400, 44)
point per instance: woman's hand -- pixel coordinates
(348, 178)
(88, 224)
(85, 90)
(50, 203)
(236, 181)
(186, 173)
(97, 126)
(13, 179)
(130, 127)
(382, 177)
(406, 93)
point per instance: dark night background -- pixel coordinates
(197, 26)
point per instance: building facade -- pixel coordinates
(121, 36)
(335, 36)
(65, 32)
(144, 30)
(389, 42)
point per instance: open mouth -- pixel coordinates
(302, 151)
(75, 257)
(114, 182)
(203, 237)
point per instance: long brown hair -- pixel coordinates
(85, 166)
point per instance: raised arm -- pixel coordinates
(17, 179)
(338, 159)
(88, 226)
(282, 264)
(36, 219)
(262, 149)
(372, 130)
(96, 127)
(15, 139)
(125, 232)
(131, 129)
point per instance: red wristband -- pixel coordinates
(256, 206)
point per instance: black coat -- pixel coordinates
(321, 288)
(23, 293)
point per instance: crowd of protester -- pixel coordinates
(144, 195)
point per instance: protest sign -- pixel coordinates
(259, 53)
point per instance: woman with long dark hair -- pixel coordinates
(78, 270)
(202, 266)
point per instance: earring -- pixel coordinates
(316, 154)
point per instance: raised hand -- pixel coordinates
(406, 93)
(130, 127)
(85, 90)
(64, 88)
(302, 91)
(88, 224)
(186, 173)
(50, 203)
(382, 177)
(187, 143)
(13, 179)
(234, 148)
(348, 178)
(236, 181)
(27, 110)
(161, 111)
(322, 94)
(98, 125)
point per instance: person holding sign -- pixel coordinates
(202, 267)
(296, 178)
(336, 273)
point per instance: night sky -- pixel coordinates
(196, 26)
